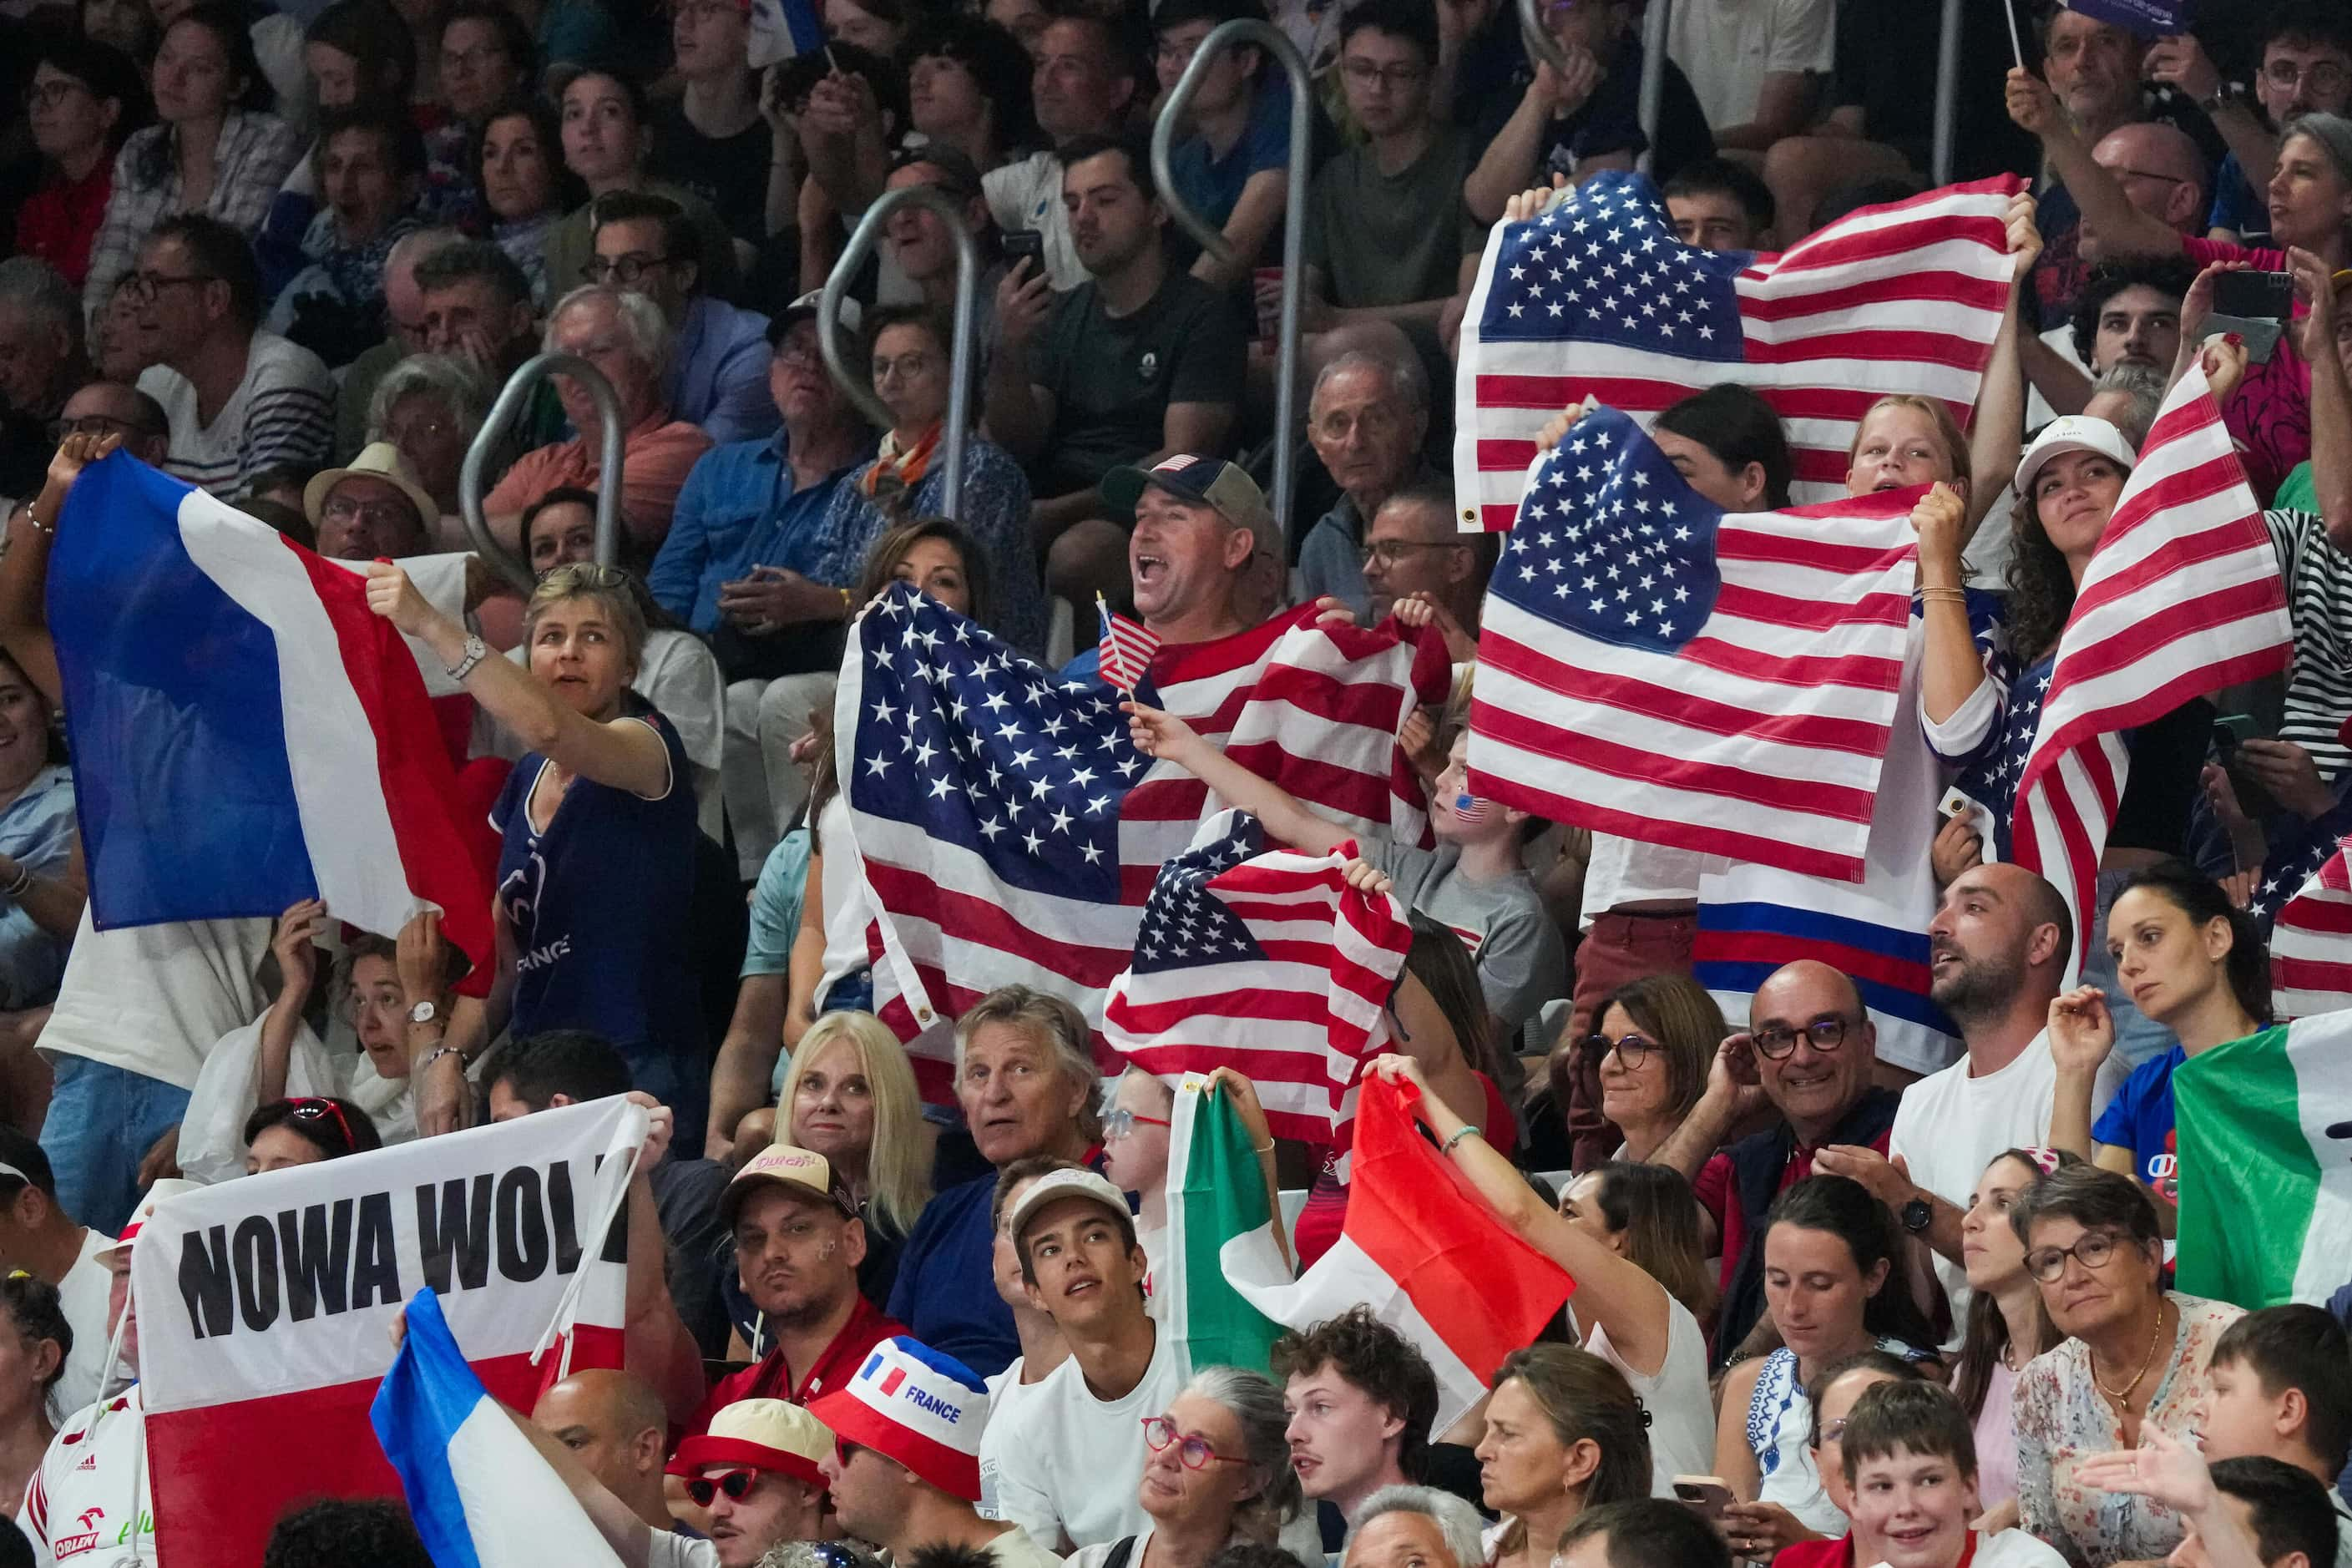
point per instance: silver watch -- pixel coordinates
(476, 650)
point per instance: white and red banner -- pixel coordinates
(264, 1308)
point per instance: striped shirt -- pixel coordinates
(2319, 604)
(282, 412)
(251, 160)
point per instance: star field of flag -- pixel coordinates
(1185, 925)
(959, 736)
(2283, 878)
(1612, 543)
(1604, 266)
(1991, 780)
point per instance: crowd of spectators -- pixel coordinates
(1836, 1304)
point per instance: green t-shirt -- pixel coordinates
(2298, 493)
(1376, 238)
(1112, 378)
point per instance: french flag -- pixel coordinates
(783, 30)
(480, 1494)
(246, 733)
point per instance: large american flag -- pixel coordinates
(2182, 597)
(1008, 830)
(1263, 960)
(2309, 906)
(1653, 666)
(1596, 297)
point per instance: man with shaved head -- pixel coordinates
(613, 1422)
(2161, 170)
(1996, 953)
(1808, 1053)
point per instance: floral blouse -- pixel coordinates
(2061, 1419)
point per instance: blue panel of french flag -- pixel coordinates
(246, 733)
(783, 30)
(480, 1495)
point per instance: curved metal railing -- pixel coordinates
(511, 399)
(860, 387)
(1277, 45)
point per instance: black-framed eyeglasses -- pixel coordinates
(95, 425)
(621, 269)
(147, 285)
(1389, 551)
(474, 58)
(1632, 1050)
(2092, 1250)
(50, 94)
(736, 1484)
(1826, 1033)
(1395, 78)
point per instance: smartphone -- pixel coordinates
(2237, 727)
(2258, 295)
(1021, 242)
(1708, 1494)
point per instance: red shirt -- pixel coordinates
(1838, 1553)
(1714, 1187)
(57, 222)
(769, 1378)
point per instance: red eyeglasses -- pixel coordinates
(736, 1484)
(312, 1108)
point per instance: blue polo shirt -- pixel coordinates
(719, 372)
(738, 510)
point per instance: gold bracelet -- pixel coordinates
(848, 605)
(1944, 596)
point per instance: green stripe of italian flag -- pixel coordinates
(2264, 1141)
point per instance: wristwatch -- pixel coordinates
(424, 1013)
(1917, 1215)
(476, 650)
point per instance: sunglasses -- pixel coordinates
(311, 1109)
(736, 1484)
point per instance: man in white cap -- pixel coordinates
(1083, 1422)
(755, 1473)
(371, 510)
(905, 1470)
(90, 1493)
(798, 1243)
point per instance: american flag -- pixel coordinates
(2182, 598)
(1653, 666)
(1009, 831)
(1126, 648)
(1596, 297)
(1264, 960)
(2309, 906)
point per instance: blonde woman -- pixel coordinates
(597, 870)
(849, 1094)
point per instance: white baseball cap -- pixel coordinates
(2072, 433)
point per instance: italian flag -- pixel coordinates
(2263, 1130)
(1418, 1247)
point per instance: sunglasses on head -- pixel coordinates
(736, 1484)
(315, 1110)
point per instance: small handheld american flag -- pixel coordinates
(1126, 648)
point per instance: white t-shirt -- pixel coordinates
(1069, 1463)
(81, 1505)
(1632, 871)
(1681, 1408)
(671, 1550)
(282, 412)
(1028, 195)
(154, 999)
(82, 1295)
(2015, 1549)
(1726, 49)
(1016, 1548)
(1951, 1125)
(1006, 1392)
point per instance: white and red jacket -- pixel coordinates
(90, 1491)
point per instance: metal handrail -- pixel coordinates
(860, 388)
(1947, 94)
(1544, 48)
(510, 400)
(1275, 43)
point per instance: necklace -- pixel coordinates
(2120, 1394)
